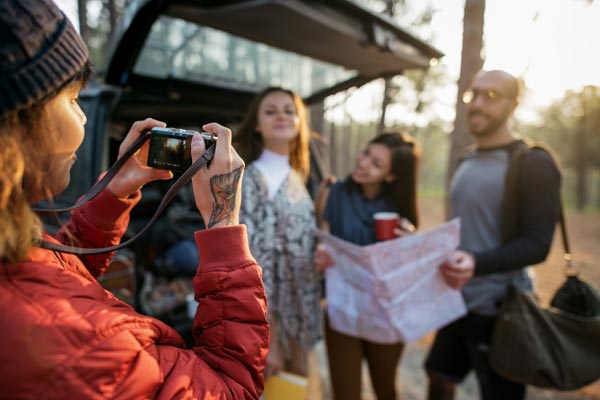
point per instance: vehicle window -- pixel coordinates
(183, 50)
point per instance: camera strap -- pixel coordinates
(102, 183)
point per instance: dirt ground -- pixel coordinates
(584, 231)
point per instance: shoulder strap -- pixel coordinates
(516, 154)
(511, 189)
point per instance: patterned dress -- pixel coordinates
(281, 240)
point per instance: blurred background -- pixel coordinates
(551, 44)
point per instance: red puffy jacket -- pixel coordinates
(65, 337)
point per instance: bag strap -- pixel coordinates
(100, 185)
(520, 150)
(567, 255)
(570, 270)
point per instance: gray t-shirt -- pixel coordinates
(477, 190)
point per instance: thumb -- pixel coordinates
(198, 146)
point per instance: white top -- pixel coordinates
(274, 168)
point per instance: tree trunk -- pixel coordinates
(112, 14)
(471, 63)
(385, 102)
(84, 30)
(387, 82)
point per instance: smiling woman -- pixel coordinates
(279, 213)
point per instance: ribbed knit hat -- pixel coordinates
(40, 51)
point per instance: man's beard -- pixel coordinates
(492, 124)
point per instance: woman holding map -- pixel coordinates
(384, 179)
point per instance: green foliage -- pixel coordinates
(99, 27)
(562, 120)
(571, 126)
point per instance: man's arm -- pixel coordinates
(538, 206)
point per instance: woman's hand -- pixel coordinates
(135, 173)
(458, 269)
(274, 362)
(322, 259)
(405, 227)
(217, 187)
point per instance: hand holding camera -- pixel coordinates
(217, 188)
(136, 173)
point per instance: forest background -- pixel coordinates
(562, 109)
(551, 44)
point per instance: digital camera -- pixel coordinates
(170, 148)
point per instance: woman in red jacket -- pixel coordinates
(63, 335)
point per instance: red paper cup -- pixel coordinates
(385, 223)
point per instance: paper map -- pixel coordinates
(392, 291)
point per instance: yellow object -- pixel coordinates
(285, 386)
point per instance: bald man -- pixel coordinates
(505, 231)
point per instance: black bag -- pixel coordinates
(547, 347)
(556, 347)
(577, 297)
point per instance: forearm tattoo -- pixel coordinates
(223, 188)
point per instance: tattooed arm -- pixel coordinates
(230, 329)
(217, 188)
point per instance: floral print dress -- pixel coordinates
(282, 241)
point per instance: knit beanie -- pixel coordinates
(40, 51)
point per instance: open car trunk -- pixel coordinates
(188, 62)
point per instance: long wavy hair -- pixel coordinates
(248, 141)
(402, 191)
(25, 162)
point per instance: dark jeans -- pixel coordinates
(464, 345)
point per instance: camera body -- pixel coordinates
(170, 148)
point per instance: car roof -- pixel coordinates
(190, 58)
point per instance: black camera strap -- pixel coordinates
(102, 183)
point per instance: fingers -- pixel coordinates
(223, 139)
(458, 269)
(322, 258)
(226, 157)
(405, 227)
(135, 173)
(271, 370)
(198, 146)
(327, 182)
(137, 128)
(274, 362)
